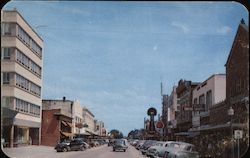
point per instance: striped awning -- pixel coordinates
(66, 123)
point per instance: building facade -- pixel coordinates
(57, 121)
(184, 92)
(88, 121)
(21, 80)
(77, 117)
(164, 116)
(205, 95)
(172, 119)
(100, 128)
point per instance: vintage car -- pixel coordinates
(159, 146)
(120, 144)
(146, 145)
(179, 150)
(76, 144)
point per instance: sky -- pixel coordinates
(112, 56)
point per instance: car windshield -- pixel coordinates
(120, 142)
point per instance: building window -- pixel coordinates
(22, 59)
(26, 107)
(208, 100)
(22, 106)
(202, 101)
(22, 82)
(35, 68)
(23, 36)
(8, 29)
(7, 101)
(6, 53)
(34, 110)
(6, 78)
(35, 89)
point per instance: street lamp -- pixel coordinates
(230, 112)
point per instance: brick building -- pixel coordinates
(221, 127)
(56, 126)
(57, 121)
(184, 92)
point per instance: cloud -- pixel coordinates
(155, 47)
(224, 30)
(181, 26)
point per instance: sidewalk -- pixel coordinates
(28, 151)
(35, 151)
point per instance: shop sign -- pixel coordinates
(238, 134)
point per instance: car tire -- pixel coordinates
(124, 150)
(82, 148)
(65, 149)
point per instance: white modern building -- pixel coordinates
(21, 80)
(205, 95)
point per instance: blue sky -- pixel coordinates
(112, 56)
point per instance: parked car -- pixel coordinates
(86, 145)
(160, 145)
(139, 144)
(111, 142)
(134, 142)
(120, 144)
(180, 150)
(76, 144)
(146, 145)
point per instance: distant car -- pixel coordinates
(180, 150)
(120, 144)
(76, 144)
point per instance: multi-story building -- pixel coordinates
(164, 117)
(205, 95)
(21, 80)
(237, 70)
(100, 128)
(184, 117)
(173, 105)
(88, 121)
(223, 121)
(237, 91)
(57, 121)
(77, 117)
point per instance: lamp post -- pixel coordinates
(230, 112)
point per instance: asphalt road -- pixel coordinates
(45, 152)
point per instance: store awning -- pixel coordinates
(69, 124)
(182, 134)
(91, 133)
(67, 134)
(64, 123)
(221, 126)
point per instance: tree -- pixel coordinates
(116, 134)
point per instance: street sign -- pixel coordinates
(159, 124)
(238, 134)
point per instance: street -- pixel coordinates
(44, 151)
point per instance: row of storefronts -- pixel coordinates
(210, 112)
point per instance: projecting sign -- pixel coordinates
(238, 134)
